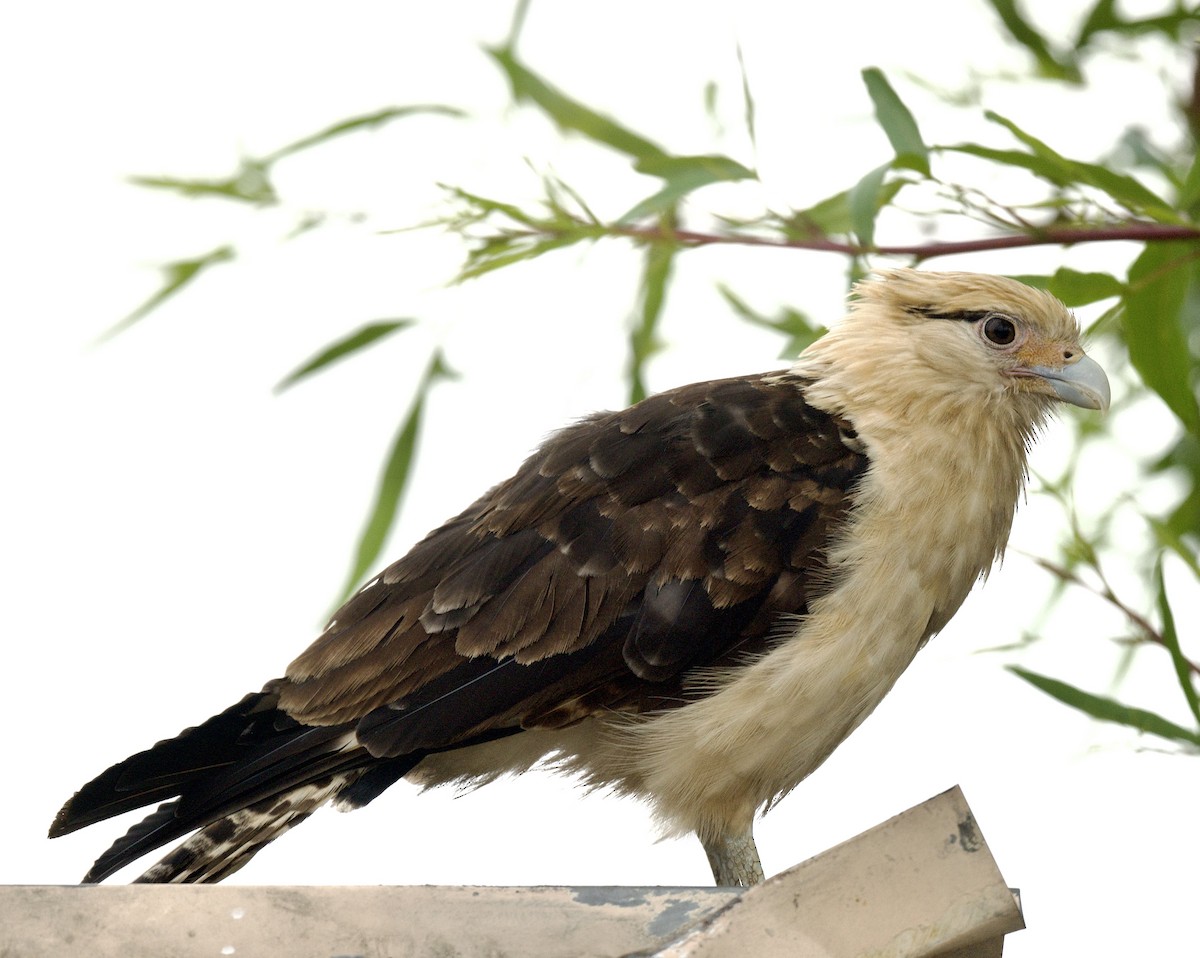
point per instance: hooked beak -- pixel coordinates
(1081, 383)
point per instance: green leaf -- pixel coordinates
(364, 121)
(1063, 172)
(1102, 17)
(656, 204)
(865, 200)
(897, 122)
(567, 113)
(250, 184)
(1189, 195)
(511, 235)
(1183, 669)
(643, 338)
(703, 170)
(1184, 456)
(497, 253)
(1051, 164)
(1106, 709)
(176, 276)
(683, 175)
(747, 100)
(827, 217)
(252, 181)
(1153, 327)
(1170, 539)
(1080, 289)
(799, 330)
(1075, 288)
(1027, 161)
(711, 96)
(831, 216)
(340, 349)
(1185, 517)
(1049, 65)
(394, 479)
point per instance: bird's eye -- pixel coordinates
(999, 330)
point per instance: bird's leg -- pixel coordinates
(734, 859)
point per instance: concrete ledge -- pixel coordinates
(921, 884)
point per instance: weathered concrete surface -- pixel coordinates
(190, 921)
(922, 884)
(919, 885)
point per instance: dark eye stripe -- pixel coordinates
(963, 315)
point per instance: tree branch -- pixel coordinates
(1141, 232)
(1105, 592)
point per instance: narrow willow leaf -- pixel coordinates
(365, 121)
(1125, 189)
(831, 216)
(1049, 65)
(1105, 18)
(394, 480)
(250, 184)
(1184, 456)
(481, 206)
(800, 332)
(711, 96)
(747, 100)
(341, 348)
(176, 276)
(828, 217)
(487, 258)
(683, 175)
(1185, 517)
(567, 113)
(1170, 539)
(1153, 328)
(864, 202)
(1106, 709)
(1080, 289)
(1075, 288)
(704, 169)
(643, 338)
(656, 204)
(897, 122)
(1102, 17)
(1183, 669)
(1189, 195)
(502, 234)
(1027, 161)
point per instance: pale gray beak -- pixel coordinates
(1082, 383)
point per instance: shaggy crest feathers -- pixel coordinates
(693, 600)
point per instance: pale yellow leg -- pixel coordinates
(734, 860)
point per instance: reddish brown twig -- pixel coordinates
(1143, 232)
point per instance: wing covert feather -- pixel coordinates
(670, 533)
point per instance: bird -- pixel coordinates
(693, 600)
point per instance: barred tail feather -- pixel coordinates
(238, 781)
(222, 847)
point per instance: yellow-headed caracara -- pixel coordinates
(693, 601)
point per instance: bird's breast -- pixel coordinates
(928, 520)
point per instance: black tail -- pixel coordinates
(243, 777)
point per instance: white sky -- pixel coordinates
(174, 534)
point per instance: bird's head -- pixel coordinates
(962, 340)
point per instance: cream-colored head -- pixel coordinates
(914, 338)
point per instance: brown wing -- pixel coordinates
(631, 548)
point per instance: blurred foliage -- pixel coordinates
(1143, 193)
